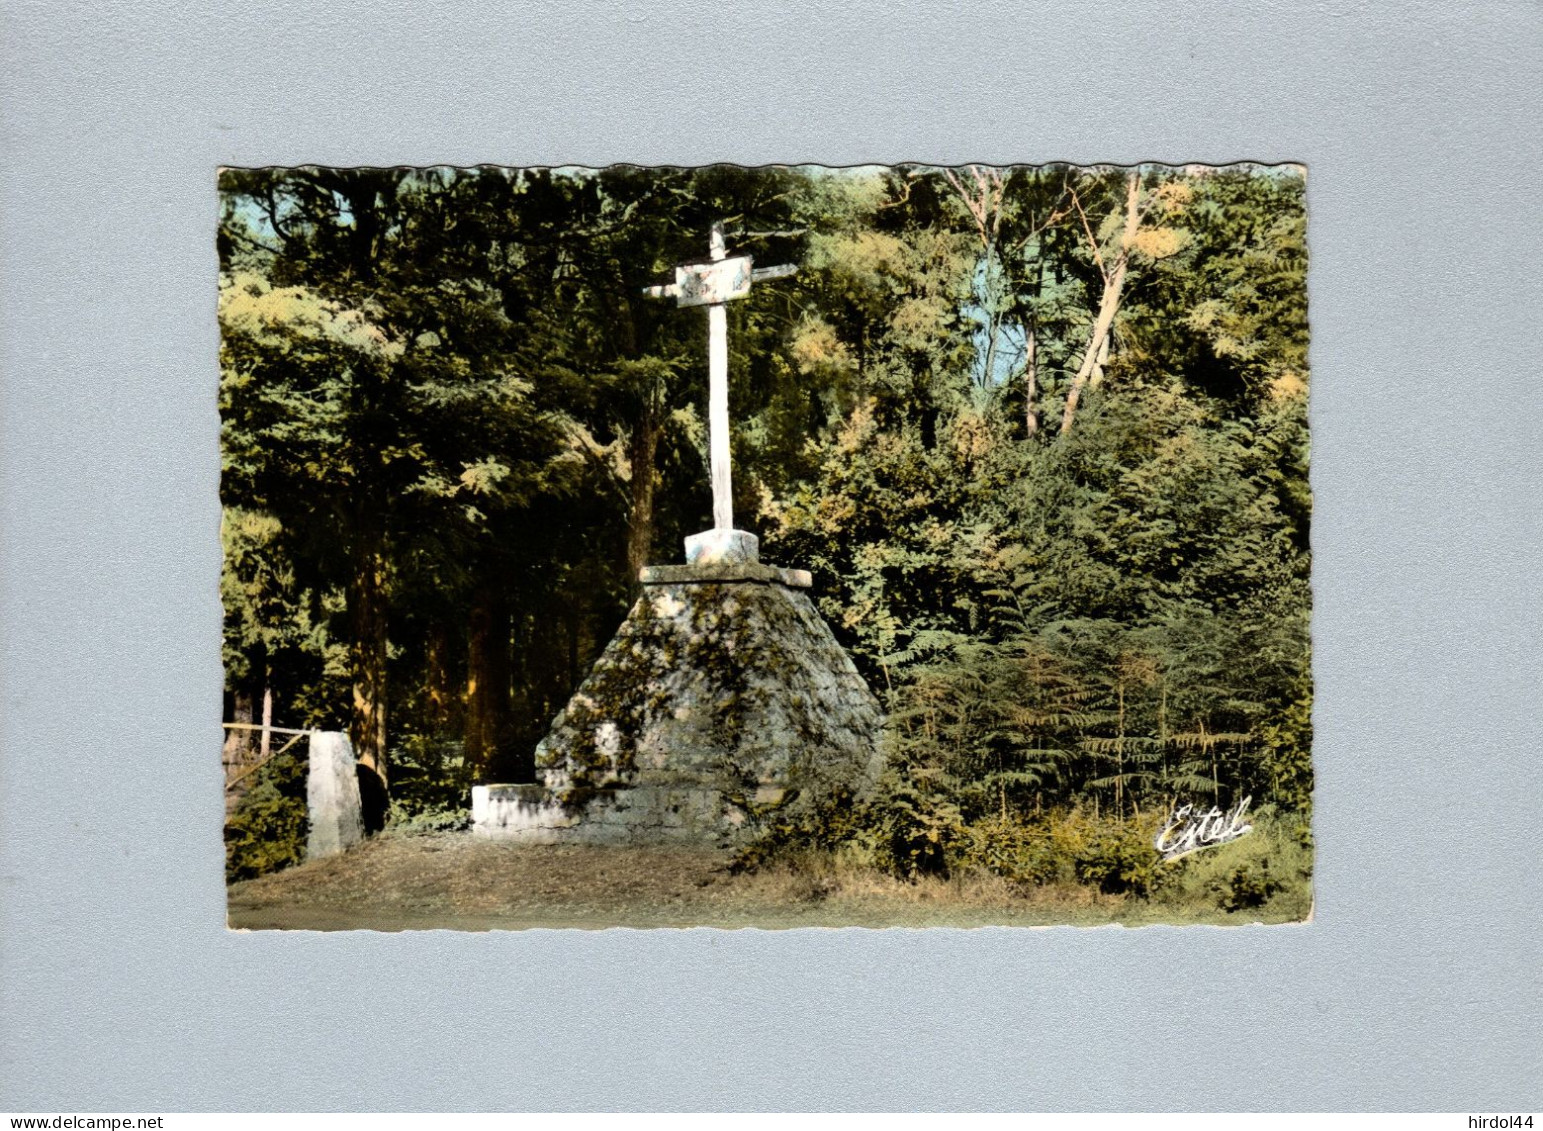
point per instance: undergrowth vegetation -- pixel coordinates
(267, 831)
(430, 793)
(1054, 854)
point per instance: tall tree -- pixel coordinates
(374, 390)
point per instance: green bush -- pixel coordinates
(1249, 888)
(427, 821)
(1065, 847)
(1121, 860)
(1272, 865)
(268, 829)
(1113, 854)
(905, 829)
(431, 780)
(920, 829)
(837, 823)
(1025, 853)
(1287, 747)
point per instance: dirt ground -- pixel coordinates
(460, 882)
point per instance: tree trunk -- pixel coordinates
(238, 742)
(525, 704)
(362, 188)
(367, 612)
(1031, 382)
(436, 674)
(1103, 360)
(1109, 304)
(993, 327)
(367, 589)
(641, 454)
(487, 683)
(267, 732)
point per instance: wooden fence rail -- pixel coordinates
(248, 771)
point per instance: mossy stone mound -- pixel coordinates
(724, 702)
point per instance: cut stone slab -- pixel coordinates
(727, 571)
(720, 545)
(723, 703)
(332, 795)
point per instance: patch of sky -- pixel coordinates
(1001, 342)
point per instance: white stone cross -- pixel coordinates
(712, 284)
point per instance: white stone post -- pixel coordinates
(332, 795)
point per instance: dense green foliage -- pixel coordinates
(1040, 434)
(268, 831)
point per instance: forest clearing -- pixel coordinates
(1012, 566)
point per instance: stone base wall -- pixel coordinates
(639, 815)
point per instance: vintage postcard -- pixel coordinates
(765, 547)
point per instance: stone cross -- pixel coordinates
(712, 284)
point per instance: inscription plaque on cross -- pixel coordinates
(713, 283)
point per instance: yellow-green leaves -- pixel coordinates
(1159, 243)
(249, 304)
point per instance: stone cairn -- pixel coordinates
(723, 704)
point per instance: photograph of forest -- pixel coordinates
(1024, 452)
